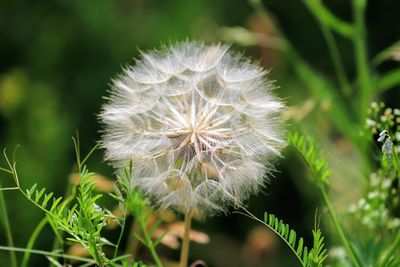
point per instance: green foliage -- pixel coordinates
(132, 200)
(86, 222)
(308, 148)
(28, 91)
(83, 221)
(378, 208)
(318, 252)
(307, 258)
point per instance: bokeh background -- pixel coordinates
(57, 59)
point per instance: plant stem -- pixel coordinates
(69, 195)
(46, 253)
(339, 228)
(32, 240)
(155, 256)
(149, 244)
(391, 250)
(396, 161)
(121, 234)
(6, 221)
(315, 7)
(186, 241)
(133, 243)
(98, 254)
(337, 61)
(361, 57)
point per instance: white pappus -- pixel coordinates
(200, 124)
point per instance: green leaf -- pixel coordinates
(309, 150)
(300, 247)
(30, 192)
(292, 238)
(39, 194)
(46, 199)
(55, 203)
(289, 237)
(305, 256)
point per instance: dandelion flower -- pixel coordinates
(200, 124)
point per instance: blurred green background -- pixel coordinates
(57, 59)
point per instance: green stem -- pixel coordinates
(337, 61)
(69, 195)
(6, 221)
(149, 244)
(121, 234)
(359, 42)
(327, 18)
(32, 240)
(391, 251)
(98, 254)
(46, 253)
(186, 241)
(133, 243)
(339, 228)
(362, 66)
(340, 114)
(315, 7)
(388, 80)
(396, 161)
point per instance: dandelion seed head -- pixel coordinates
(200, 124)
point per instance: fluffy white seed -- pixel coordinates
(200, 124)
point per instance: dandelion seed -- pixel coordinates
(200, 124)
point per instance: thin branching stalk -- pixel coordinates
(354, 259)
(186, 241)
